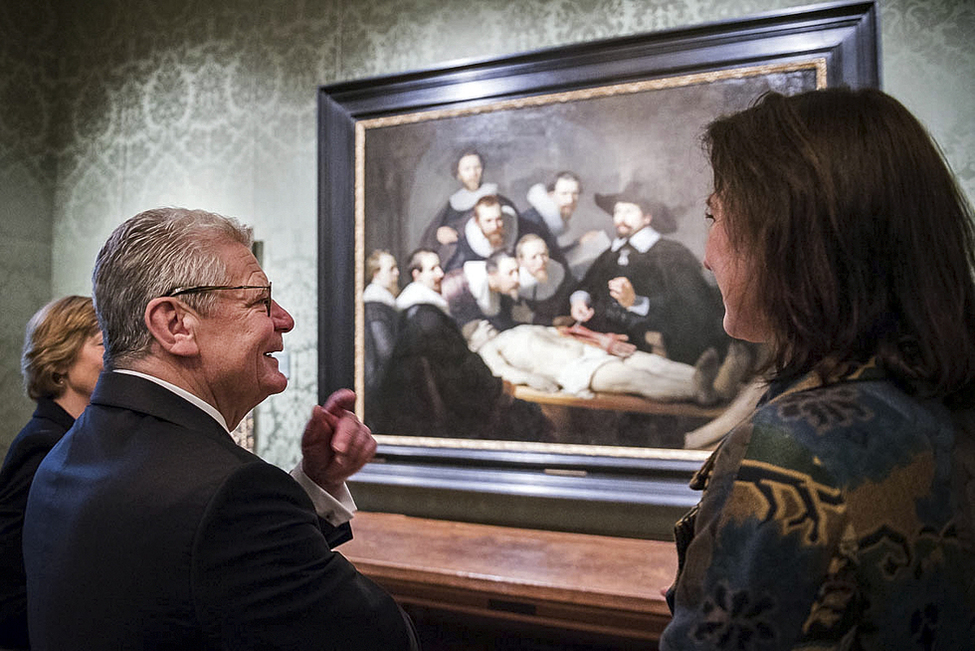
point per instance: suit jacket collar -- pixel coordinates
(50, 410)
(144, 396)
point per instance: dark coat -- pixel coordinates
(684, 308)
(40, 434)
(149, 528)
(448, 216)
(380, 336)
(436, 386)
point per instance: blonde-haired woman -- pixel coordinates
(61, 361)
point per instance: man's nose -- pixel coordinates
(282, 320)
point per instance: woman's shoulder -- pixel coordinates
(827, 445)
(45, 428)
(850, 430)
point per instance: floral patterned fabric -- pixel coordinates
(838, 516)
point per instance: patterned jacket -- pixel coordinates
(838, 516)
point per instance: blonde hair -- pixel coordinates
(374, 262)
(53, 339)
(528, 238)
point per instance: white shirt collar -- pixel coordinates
(642, 240)
(182, 393)
(477, 282)
(479, 242)
(464, 199)
(542, 201)
(419, 294)
(375, 293)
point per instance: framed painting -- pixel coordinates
(461, 208)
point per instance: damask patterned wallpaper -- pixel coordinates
(28, 70)
(109, 107)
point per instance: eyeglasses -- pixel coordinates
(219, 288)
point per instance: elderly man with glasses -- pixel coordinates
(147, 527)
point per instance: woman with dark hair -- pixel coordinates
(840, 513)
(61, 362)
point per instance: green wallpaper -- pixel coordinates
(28, 70)
(109, 107)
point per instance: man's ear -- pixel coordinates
(172, 326)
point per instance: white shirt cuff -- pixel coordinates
(641, 306)
(334, 509)
(579, 295)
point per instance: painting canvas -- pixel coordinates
(641, 137)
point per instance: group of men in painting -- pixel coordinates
(489, 283)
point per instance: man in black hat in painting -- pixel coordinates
(648, 287)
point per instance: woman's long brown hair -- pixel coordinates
(861, 241)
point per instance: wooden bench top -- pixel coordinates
(571, 581)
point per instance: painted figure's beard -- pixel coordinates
(496, 239)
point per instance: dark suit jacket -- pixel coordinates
(148, 528)
(45, 428)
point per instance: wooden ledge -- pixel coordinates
(597, 584)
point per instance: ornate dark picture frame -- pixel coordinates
(515, 482)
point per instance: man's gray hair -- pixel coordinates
(150, 255)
